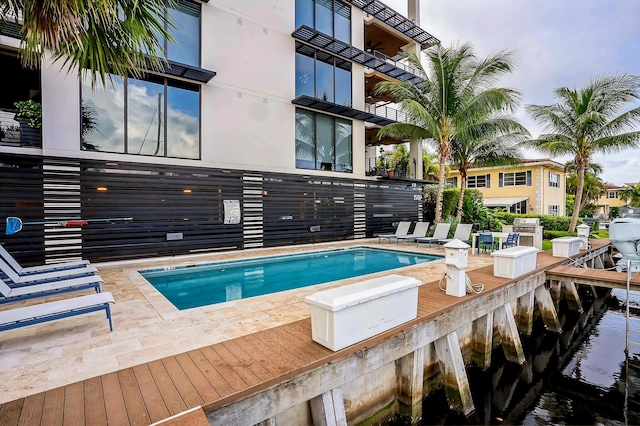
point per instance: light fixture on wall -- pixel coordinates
(186, 191)
(101, 188)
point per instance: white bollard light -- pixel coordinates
(456, 255)
(583, 234)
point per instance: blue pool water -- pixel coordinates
(199, 285)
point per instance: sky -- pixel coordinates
(557, 43)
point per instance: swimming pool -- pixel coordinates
(199, 285)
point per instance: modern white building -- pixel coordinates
(259, 132)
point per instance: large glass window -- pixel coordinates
(322, 76)
(554, 180)
(331, 17)
(323, 142)
(157, 116)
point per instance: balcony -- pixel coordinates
(18, 133)
(387, 112)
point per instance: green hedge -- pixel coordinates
(550, 223)
(550, 235)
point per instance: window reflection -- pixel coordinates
(331, 17)
(344, 150)
(145, 114)
(162, 118)
(323, 142)
(304, 13)
(186, 33)
(331, 80)
(103, 116)
(305, 75)
(324, 80)
(183, 122)
(305, 140)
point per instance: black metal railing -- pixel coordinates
(372, 168)
(386, 112)
(17, 132)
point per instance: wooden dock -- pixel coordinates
(221, 374)
(588, 276)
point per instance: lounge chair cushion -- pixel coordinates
(49, 311)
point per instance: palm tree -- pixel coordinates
(584, 122)
(631, 195)
(431, 167)
(456, 90)
(105, 37)
(592, 189)
(495, 142)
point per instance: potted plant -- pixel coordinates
(29, 111)
(29, 116)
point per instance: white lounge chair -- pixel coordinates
(13, 263)
(50, 311)
(9, 294)
(402, 229)
(418, 232)
(442, 231)
(463, 233)
(45, 276)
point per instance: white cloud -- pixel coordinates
(557, 43)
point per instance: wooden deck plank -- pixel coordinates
(32, 410)
(10, 412)
(94, 400)
(170, 395)
(290, 360)
(53, 408)
(150, 394)
(212, 376)
(74, 404)
(224, 369)
(262, 355)
(247, 360)
(192, 417)
(235, 364)
(136, 409)
(187, 391)
(115, 408)
(293, 347)
(200, 383)
(313, 349)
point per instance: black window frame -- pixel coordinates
(333, 164)
(333, 21)
(337, 62)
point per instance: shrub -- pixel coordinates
(550, 223)
(31, 111)
(450, 198)
(614, 212)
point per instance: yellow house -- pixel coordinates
(611, 198)
(535, 187)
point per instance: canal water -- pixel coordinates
(580, 377)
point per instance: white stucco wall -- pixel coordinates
(247, 118)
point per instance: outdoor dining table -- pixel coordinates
(500, 236)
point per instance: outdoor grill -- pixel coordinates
(529, 229)
(525, 224)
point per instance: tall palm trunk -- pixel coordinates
(463, 186)
(441, 180)
(578, 200)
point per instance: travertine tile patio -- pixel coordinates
(148, 327)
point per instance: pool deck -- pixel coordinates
(152, 340)
(147, 327)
